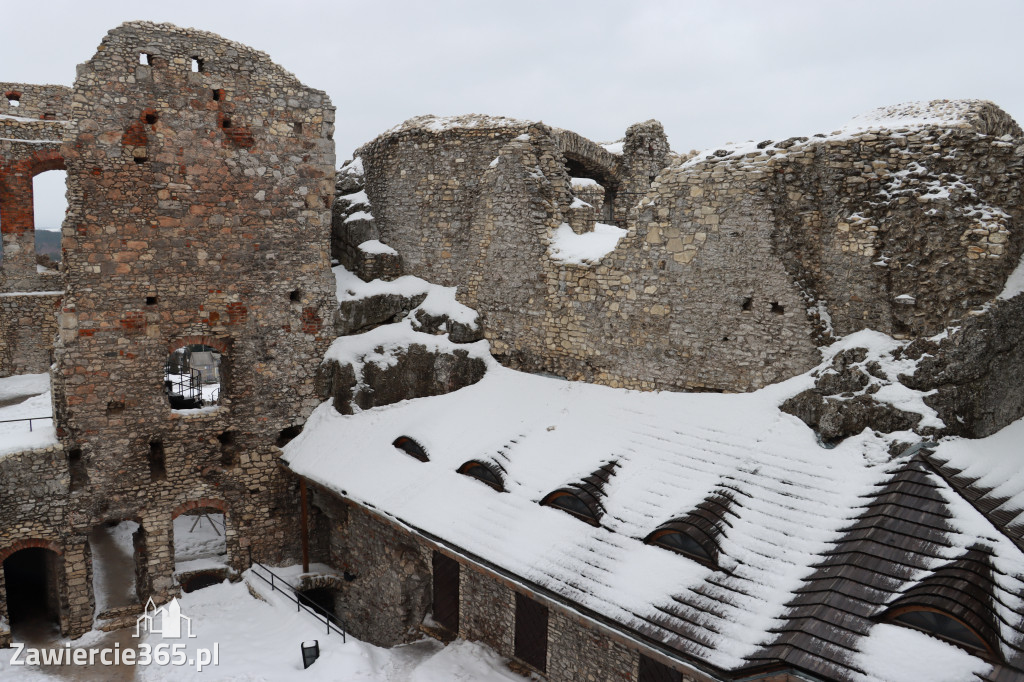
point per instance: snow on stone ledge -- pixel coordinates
(439, 301)
(439, 124)
(584, 249)
(376, 246)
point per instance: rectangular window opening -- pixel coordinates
(157, 466)
(77, 470)
(531, 644)
(145, 59)
(197, 65)
(446, 591)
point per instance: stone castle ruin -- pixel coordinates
(205, 214)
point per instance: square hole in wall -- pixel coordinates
(151, 300)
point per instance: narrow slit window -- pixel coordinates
(157, 465)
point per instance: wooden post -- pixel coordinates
(305, 529)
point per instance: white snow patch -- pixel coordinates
(356, 198)
(30, 398)
(995, 462)
(614, 147)
(584, 182)
(359, 215)
(579, 203)
(891, 653)
(587, 248)
(375, 246)
(1014, 283)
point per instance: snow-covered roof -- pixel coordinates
(794, 514)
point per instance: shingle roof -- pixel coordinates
(812, 547)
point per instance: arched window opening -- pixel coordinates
(33, 593)
(13, 98)
(483, 472)
(115, 562)
(941, 625)
(570, 502)
(679, 541)
(193, 377)
(200, 540)
(411, 448)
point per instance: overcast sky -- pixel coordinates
(710, 72)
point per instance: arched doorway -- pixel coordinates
(33, 592)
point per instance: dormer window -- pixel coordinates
(411, 448)
(677, 540)
(941, 625)
(483, 472)
(571, 503)
(954, 604)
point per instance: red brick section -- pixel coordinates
(221, 344)
(311, 322)
(202, 503)
(16, 209)
(27, 543)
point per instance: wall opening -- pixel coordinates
(228, 448)
(33, 601)
(286, 435)
(197, 65)
(193, 376)
(157, 465)
(200, 540)
(322, 600)
(76, 469)
(114, 565)
(446, 591)
(13, 98)
(531, 643)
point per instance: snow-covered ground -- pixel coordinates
(260, 639)
(21, 397)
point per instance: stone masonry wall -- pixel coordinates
(736, 265)
(30, 140)
(28, 325)
(199, 188)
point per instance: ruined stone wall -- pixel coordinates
(199, 212)
(28, 326)
(30, 140)
(736, 265)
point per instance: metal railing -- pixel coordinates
(25, 419)
(279, 584)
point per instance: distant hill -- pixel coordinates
(48, 243)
